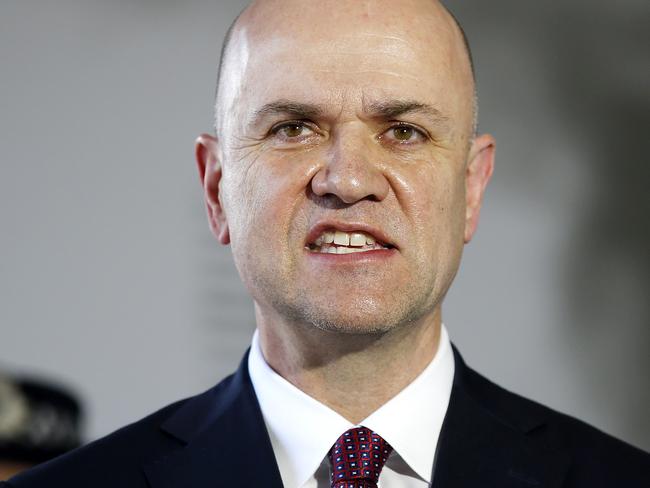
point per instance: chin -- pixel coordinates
(362, 318)
(351, 312)
(345, 325)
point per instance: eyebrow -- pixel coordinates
(386, 110)
(287, 107)
(392, 109)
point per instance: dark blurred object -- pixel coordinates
(38, 422)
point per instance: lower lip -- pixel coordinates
(353, 257)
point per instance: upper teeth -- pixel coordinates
(354, 239)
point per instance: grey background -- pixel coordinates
(110, 282)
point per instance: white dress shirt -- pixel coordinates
(302, 430)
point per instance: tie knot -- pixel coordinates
(357, 458)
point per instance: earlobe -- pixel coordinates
(210, 172)
(480, 166)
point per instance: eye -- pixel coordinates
(292, 130)
(404, 134)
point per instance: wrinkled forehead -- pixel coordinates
(345, 48)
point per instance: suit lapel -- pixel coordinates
(487, 441)
(222, 441)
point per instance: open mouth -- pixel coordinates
(339, 242)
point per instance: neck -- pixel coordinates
(341, 370)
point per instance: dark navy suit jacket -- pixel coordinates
(491, 438)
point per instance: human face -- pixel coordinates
(358, 123)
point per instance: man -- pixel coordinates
(346, 175)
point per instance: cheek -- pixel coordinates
(438, 198)
(263, 195)
(450, 203)
(255, 222)
(449, 207)
(436, 201)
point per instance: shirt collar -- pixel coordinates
(410, 422)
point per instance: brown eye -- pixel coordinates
(292, 130)
(403, 133)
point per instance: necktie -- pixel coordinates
(357, 458)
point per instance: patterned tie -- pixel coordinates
(357, 458)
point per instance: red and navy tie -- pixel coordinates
(357, 459)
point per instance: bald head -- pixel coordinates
(265, 14)
(226, 42)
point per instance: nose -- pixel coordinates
(350, 173)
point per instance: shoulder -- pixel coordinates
(595, 457)
(113, 460)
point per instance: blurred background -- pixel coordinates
(112, 286)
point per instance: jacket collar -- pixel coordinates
(491, 437)
(222, 440)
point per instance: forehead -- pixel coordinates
(337, 50)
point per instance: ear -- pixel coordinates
(480, 165)
(210, 172)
